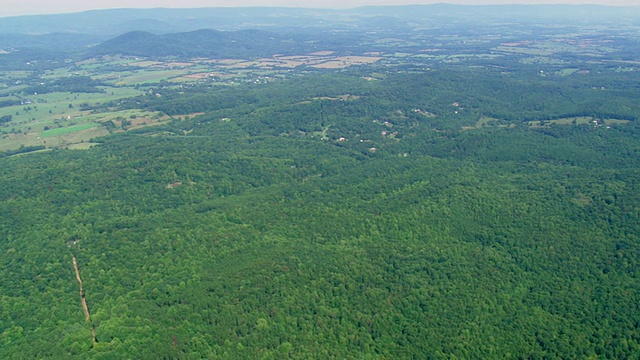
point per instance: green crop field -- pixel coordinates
(68, 130)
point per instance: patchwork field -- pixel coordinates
(68, 119)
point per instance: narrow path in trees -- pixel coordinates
(85, 308)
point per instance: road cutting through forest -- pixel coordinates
(85, 308)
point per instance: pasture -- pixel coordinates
(67, 130)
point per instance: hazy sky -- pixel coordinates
(23, 7)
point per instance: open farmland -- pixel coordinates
(68, 118)
(119, 77)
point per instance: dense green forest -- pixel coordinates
(337, 216)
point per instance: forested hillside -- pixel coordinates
(449, 213)
(206, 43)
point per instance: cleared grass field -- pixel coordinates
(485, 120)
(57, 108)
(67, 130)
(65, 140)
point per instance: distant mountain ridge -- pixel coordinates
(264, 31)
(203, 42)
(53, 41)
(115, 22)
